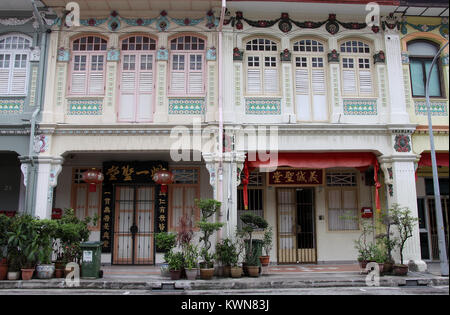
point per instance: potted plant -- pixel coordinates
(46, 228)
(4, 228)
(13, 265)
(405, 224)
(208, 208)
(388, 240)
(379, 257)
(252, 222)
(267, 245)
(239, 246)
(175, 261)
(364, 244)
(225, 251)
(165, 242)
(191, 261)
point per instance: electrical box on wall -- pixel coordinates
(366, 212)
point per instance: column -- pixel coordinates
(400, 180)
(398, 112)
(334, 91)
(231, 75)
(288, 111)
(161, 104)
(40, 174)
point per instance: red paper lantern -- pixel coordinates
(163, 178)
(92, 177)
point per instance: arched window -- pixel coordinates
(88, 66)
(262, 67)
(137, 78)
(14, 64)
(187, 66)
(356, 68)
(310, 80)
(421, 56)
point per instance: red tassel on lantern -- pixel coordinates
(245, 181)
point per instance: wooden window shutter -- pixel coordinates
(349, 81)
(254, 80)
(365, 82)
(270, 80)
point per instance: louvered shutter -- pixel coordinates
(302, 94)
(145, 95)
(96, 77)
(253, 81)
(4, 81)
(349, 81)
(301, 81)
(127, 102)
(319, 98)
(19, 75)
(78, 84)
(270, 80)
(195, 82)
(365, 82)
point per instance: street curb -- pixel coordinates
(220, 284)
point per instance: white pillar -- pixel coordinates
(399, 172)
(49, 168)
(398, 112)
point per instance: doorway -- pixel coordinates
(296, 226)
(134, 225)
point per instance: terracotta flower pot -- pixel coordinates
(388, 266)
(206, 273)
(227, 271)
(27, 274)
(400, 270)
(3, 271)
(253, 271)
(236, 272)
(265, 260)
(175, 274)
(59, 273)
(191, 274)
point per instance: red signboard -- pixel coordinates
(297, 177)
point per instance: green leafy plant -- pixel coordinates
(267, 240)
(191, 254)
(364, 244)
(405, 223)
(47, 232)
(165, 242)
(23, 240)
(226, 252)
(208, 208)
(252, 222)
(175, 260)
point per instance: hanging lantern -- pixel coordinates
(92, 177)
(163, 178)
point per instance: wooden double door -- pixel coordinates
(134, 225)
(296, 228)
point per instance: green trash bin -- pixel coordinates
(91, 260)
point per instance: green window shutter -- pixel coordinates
(435, 89)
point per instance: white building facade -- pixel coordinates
(310, 81)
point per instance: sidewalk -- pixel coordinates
(275, 277)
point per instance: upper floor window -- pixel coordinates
(357, 76)
(262, 67)
(310, 80)
(421, 56)
(88, 66)
(136, 87)
(14, 64)
(187, 66)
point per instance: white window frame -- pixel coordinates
(90, 56)
(262, 48)
(343, 185)
(186, 51)
(309, 57)
(357, 55)
(7, 73)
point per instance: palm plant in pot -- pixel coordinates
(267, 245)
(405, 223)
(47, 231)
(25, 238)
(208, 208)
(165, 242)
(252, 222)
